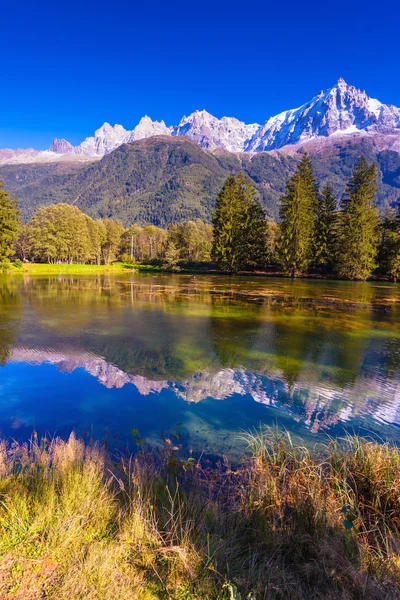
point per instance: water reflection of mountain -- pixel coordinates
(316, 405)
(326, 353)
(107, 374)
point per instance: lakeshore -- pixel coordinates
(119, 267)
(78, 522)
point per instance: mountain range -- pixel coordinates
(322, 407)
(159, 174)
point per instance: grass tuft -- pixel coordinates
(286, 523)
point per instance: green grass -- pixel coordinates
(75, 269)
(284, 524)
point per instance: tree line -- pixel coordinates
(316, 233)
(61, 233)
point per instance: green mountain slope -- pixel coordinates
(162, 180)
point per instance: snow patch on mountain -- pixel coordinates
(211, 133)
(342, 110)
(147, 128)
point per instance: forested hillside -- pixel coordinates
(163, 180)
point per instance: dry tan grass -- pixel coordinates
(74, 524)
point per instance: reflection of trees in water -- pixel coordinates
(233, 327)
(385, 349)
(311, 355)
(171, 327)
(150, 329)
(9, 317)
(320, 355)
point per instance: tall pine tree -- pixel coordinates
(239, 227)
(324, 250)
(359, 224)
(389, 247)
(299, 208)
(9, 223)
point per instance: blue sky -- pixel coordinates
(68, 67)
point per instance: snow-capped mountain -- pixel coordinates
(210, 133)
(107, 138)
(104, 141)
(341, 110)
(147, 128)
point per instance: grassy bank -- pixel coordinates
(74, 269)
(75, 523)
(207, 269)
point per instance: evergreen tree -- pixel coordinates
(298, 215)
(226, 250)
(239, 227)
(254, 226)
(9, 223)
(389, 248)
(273, 242)
(326, 230)
(359, 222)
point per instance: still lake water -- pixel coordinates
(216, 355)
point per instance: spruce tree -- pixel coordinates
(9, 223)
(253, 226)
(359, 224)
(389, 248)
(225, 220)
(324, 250)
(298, 213)
(239, 227)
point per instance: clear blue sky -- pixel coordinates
(66, 67)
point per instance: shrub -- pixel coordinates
(125, 258)
(5, 266)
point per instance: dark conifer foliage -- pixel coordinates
(359, 224)
(239, 227)
(389, 247)
(325, 235)
(9, 223)
(299, 210)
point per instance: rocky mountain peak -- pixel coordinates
(61, 147)
(342, 109)
(211, 133)
(148, 128)
(104, 140)
(341, 83)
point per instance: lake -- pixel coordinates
(208, 356)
